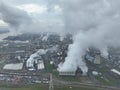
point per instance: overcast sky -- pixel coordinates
(42, 10)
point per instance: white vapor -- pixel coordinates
(93, 23)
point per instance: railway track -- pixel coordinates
(87, 85)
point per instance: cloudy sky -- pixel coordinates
(46, 11)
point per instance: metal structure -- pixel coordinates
(51, 87)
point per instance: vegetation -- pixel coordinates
(75, 88)
(39, 87)
(105, 81)
(48, 67)
(70, 78)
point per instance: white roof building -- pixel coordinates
(35, 58)
(17, 66)
(115, 71)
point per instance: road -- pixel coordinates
(59, 82)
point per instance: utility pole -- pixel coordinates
(51, 87)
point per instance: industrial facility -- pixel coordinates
(26, 57)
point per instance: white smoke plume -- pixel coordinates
(93, 23)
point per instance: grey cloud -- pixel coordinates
(13, 16)
(21, 21)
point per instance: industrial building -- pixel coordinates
(97, 59)
(17, 66)
(93, 56)
(67, 73)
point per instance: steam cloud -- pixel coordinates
(93, 23)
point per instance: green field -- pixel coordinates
(29, 87)
(46, 88)
(80, 88)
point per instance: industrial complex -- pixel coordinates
(35, 58)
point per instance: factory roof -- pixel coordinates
(17, 66)
(115, 71)
(67, 73)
